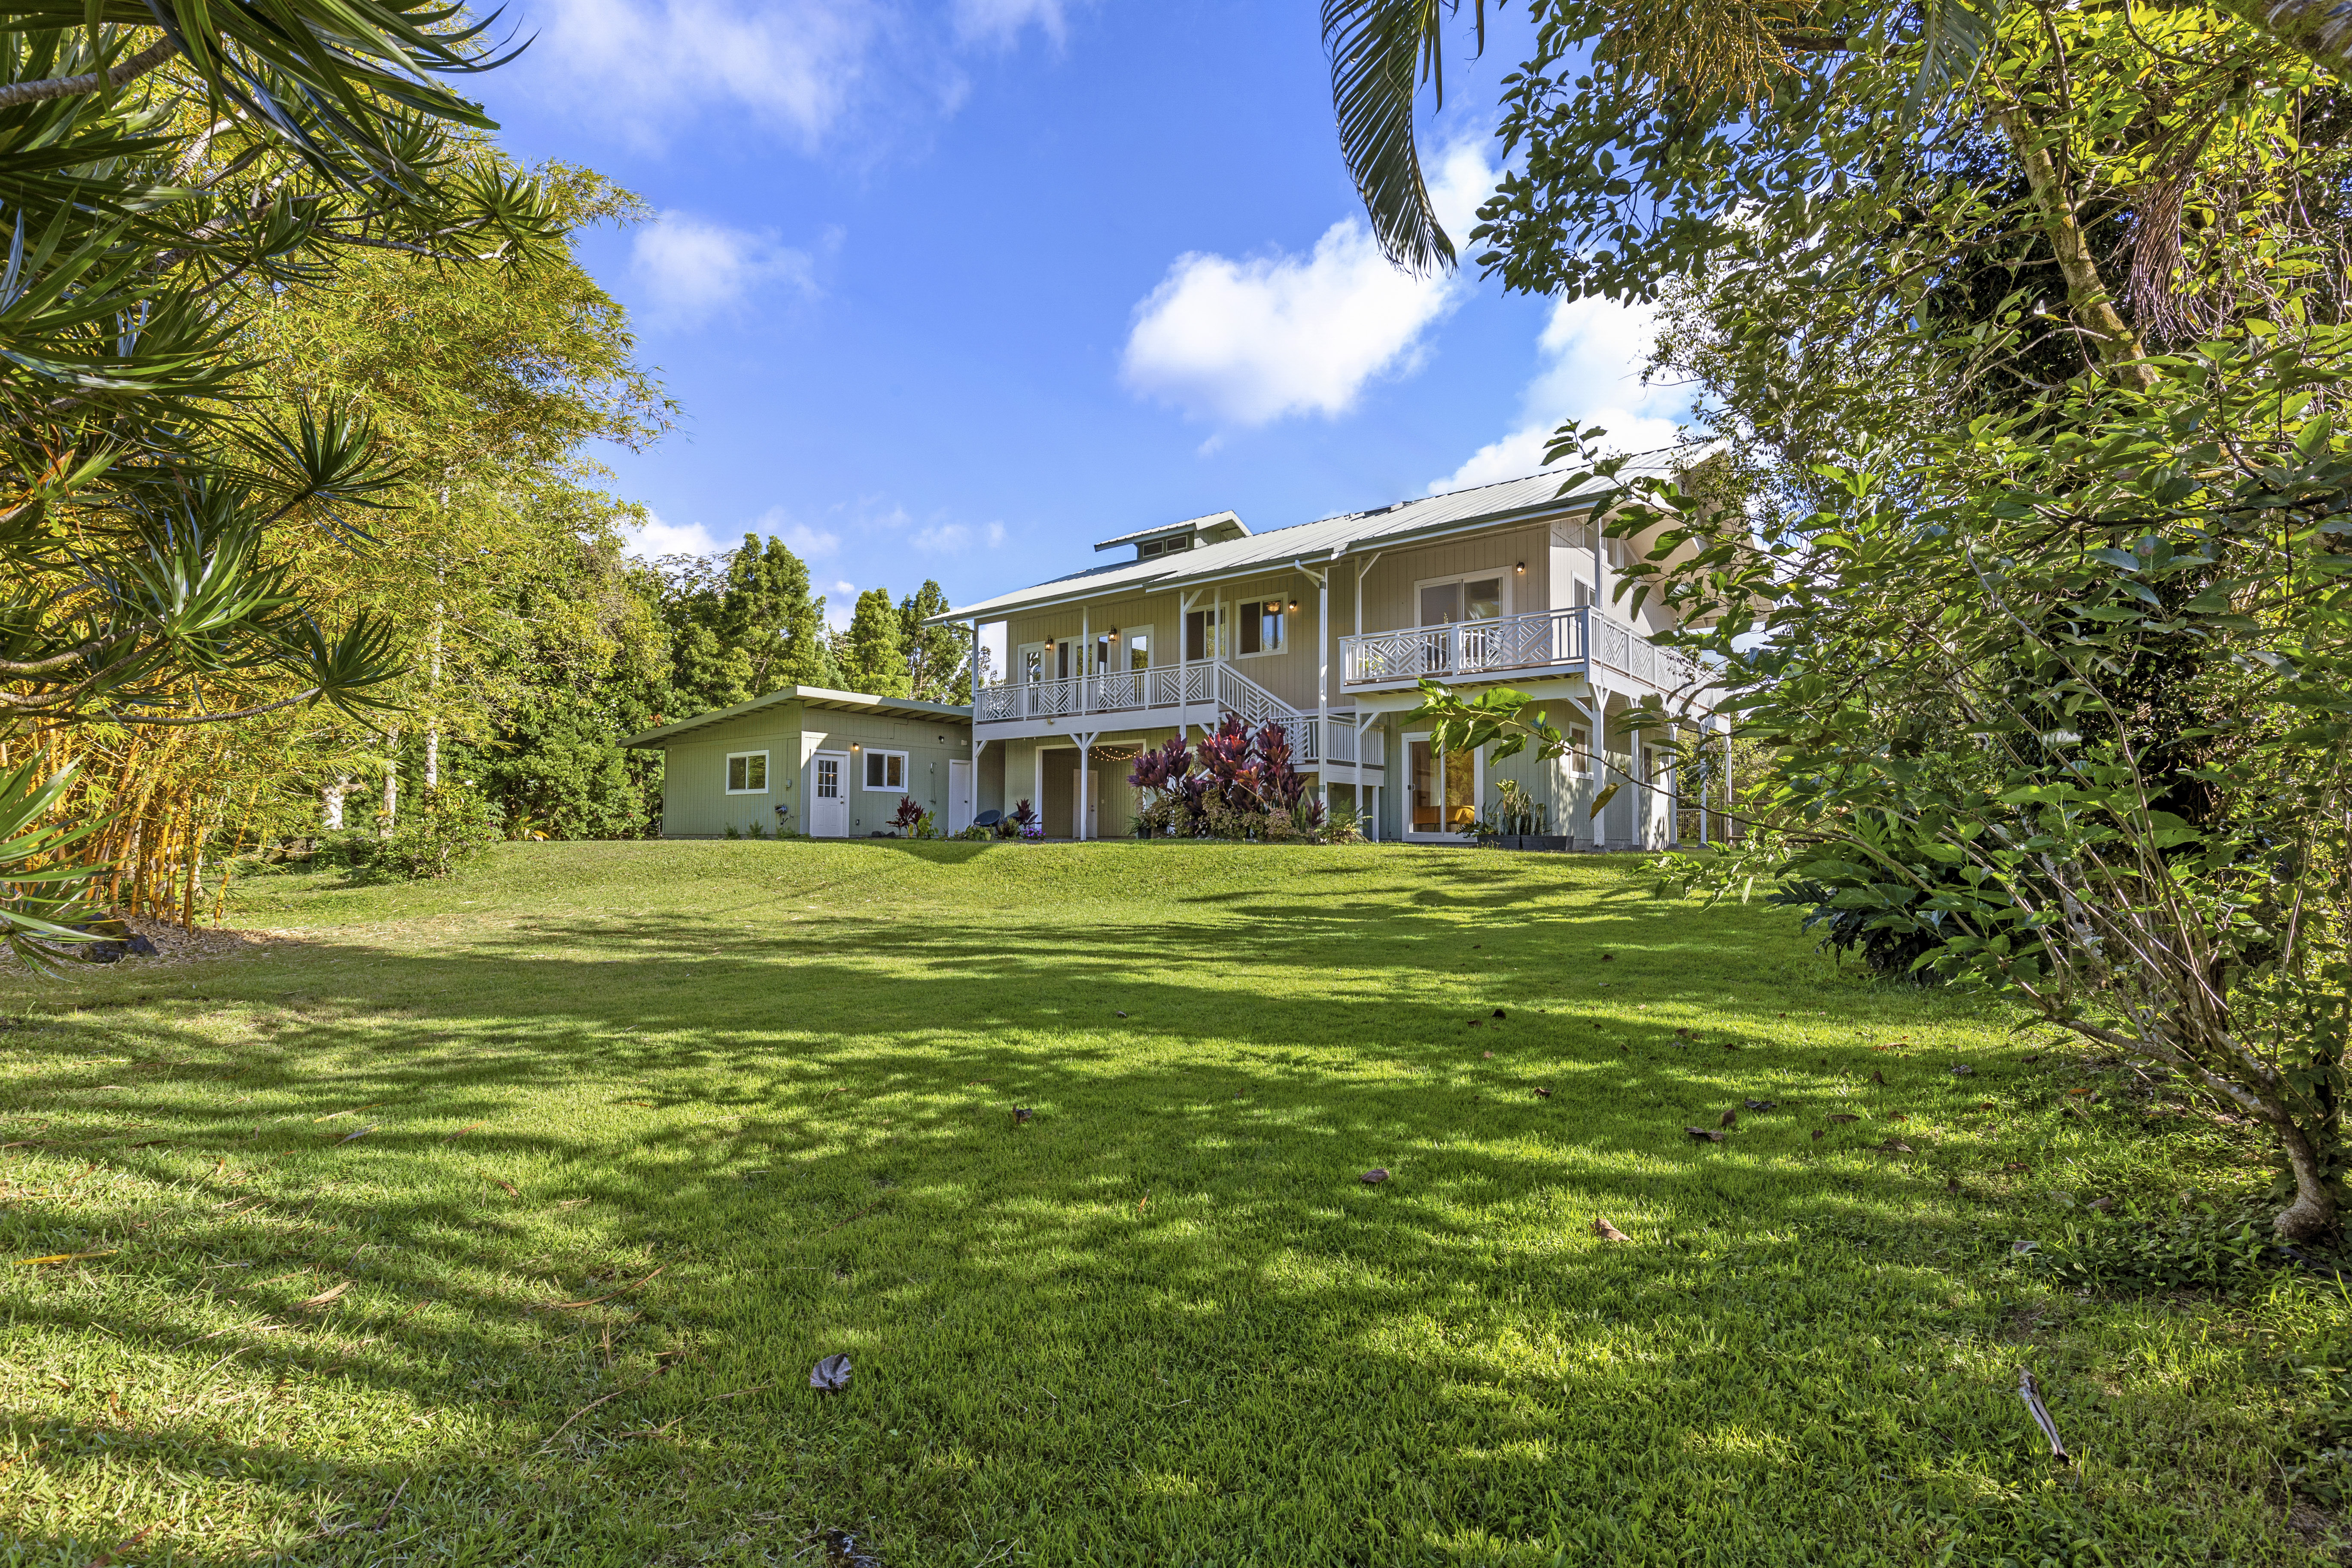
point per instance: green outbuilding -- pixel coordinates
(809, 762)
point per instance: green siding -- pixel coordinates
(696, 805)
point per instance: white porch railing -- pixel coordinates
(1171, 688)
(1541, 639)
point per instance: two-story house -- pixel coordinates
(1329, 628)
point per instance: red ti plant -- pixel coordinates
(1279, 784)
(1225, 757)
(908, 815)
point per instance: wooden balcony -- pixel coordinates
(1569, 642)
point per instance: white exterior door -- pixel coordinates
(828, 806)
(958, 796)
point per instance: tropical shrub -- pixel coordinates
(1239, 784)
(442, 829)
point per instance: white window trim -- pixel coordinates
(1127, 636)
(1446, 834)
(767, 772)
(1504, 573)
(1238, 621)
(904, 773)
(1580, 758)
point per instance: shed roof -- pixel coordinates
(815, 697)
(1228, 523)
(1327, 539)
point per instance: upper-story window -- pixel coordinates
(1474, 597)
(1202, 634)
(1151, 547)
(1262, 627)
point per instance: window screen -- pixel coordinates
(747, 773)
(885, 770)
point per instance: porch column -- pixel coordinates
(1640, 788)
(1323, 682)
(1183, 667)
(975, 678)
(1730, 828)
(1085, 657)
(1703, 792)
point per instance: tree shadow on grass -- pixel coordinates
(1166, 1302)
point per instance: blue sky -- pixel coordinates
(953, 288)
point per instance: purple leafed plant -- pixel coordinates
(908, 815)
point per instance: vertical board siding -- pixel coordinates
(696, 805)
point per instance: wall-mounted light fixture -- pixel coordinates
(853, 745)
(1294, 605)
(1520, 570)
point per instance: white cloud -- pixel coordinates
(692, 270)
(1246, 343)
(1593, 352)
(635, 65)
(656, 537)
(813, 70)
(953, 537)
(1002, 21)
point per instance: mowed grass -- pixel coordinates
(501, 1220)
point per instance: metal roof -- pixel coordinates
(1327, 539)
(815, 697)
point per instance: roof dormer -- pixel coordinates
(1172, 538)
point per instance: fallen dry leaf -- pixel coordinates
(567, 1306)
(1819, 1135)
(323, 1296)
(1500, 1013)
(1374, 1177)
(510, 1187)
(1878, 1078)
(1488, 1056)
(1703, 1134)
(1763, 1104)
(2035, 1057)
(1844, 1116)
(461, 1132)
(1606, 1232)
(1021, 1113)
(64, 1257)
(2017, 1165)
(1543, 1094)
(1894, 1146)
(1730, 1118)
(1898, 1116)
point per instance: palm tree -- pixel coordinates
(168, 167)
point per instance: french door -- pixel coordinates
(1442, 789)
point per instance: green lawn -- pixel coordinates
(648, 1129)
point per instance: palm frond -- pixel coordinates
(1381, 51)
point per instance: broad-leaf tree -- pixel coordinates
(165, 170)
